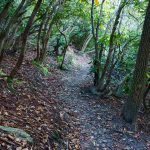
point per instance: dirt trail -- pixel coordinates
(62, 102)
(101, 125)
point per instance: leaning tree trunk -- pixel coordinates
(101, 85)
(4, 12)
(5, 32)
(24, 39)
(133, 103)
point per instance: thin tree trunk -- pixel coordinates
(111, 45)
(64, 55)
(56, 47)
(24, 39)
(39, 37)
(95, 36)
(133, 103)
(11, 41)
(4, 12)
(47, 34)
(64, 51)
(4, 34)
(115, 60)
(45, 44)
(40, 31)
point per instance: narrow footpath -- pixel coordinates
(101, 125)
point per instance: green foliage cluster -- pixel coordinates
(43, 69)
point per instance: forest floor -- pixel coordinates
(60, 112)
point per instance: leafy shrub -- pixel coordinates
(43, 69)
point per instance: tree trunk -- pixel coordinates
(4, 12)
(95, 36)
(47, 33)
(5, 32)
(39, 38)
(146, 106)
(64, 55)
(24, 39)
(133, 103)
(56, 47)
(111, 45)
(43, 21)
(45, 44)
(10, 42)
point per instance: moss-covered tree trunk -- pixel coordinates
(133, 103)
